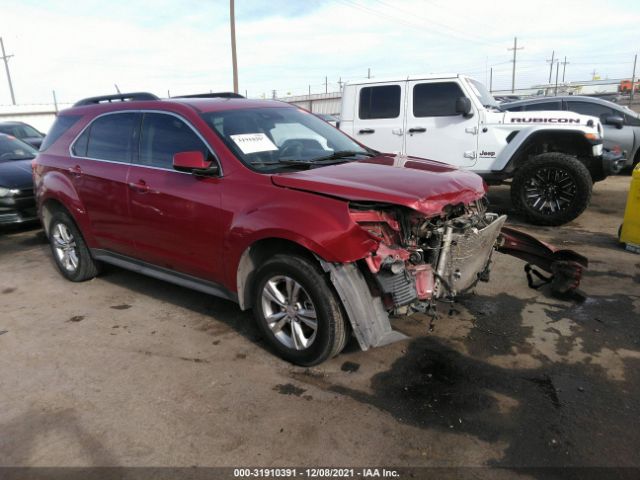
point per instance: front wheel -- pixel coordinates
(297, 311)
(551, 189)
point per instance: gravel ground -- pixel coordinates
(128, 370)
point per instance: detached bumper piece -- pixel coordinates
(564, 266)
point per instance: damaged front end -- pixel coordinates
(420, 260)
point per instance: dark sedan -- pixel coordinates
(17, 203)
(23, 131)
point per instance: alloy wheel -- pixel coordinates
(550, 190)
(289, 312)
(64, 245)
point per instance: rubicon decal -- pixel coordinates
(545, 120)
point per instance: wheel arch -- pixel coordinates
(570, 142)
(255, 255)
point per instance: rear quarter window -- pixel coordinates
(59, 127)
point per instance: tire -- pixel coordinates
(286, 286)
(551, 189)
(69, 249)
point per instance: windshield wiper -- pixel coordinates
(340, 154)
(319, 161)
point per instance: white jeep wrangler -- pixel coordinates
(551, 158)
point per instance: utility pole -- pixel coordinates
(513, 74)
(55, 100)
(6, 58)
(368, 72)
(491, 80)
(633, 78)
(273, 94)
(340, 83)
(234, 58)
(564, 68)
(557, 71)
(326, 85)
(309, 89)
(551, 66)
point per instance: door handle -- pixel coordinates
(140, 186)
(417, 130)
(366, 130)
(75, 170)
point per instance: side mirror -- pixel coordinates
(463, 107)
(194, 162)
(614, 120)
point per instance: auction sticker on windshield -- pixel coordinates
(253, 143)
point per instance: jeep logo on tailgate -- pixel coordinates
(545, 120)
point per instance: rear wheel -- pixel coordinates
(70, 252)
(551, 189)
(297, 311)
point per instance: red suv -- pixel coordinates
(265, 204)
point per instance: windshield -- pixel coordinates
(20, 130)
(483, 94)
(268, 139)
(13, 149)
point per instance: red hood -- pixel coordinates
(423, 185)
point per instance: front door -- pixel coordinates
(176, 216)
(433, 128)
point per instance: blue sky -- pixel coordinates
(81, 48)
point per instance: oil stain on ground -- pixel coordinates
(289, 389)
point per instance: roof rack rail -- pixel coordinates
(212, 95)
(120, 97)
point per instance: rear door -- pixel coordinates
(433, 129)
(379, 121)
(177, 221)
(101, 158)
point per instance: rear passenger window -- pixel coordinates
(165, 135)
(436, 99)
(379, 102)
(112, 137)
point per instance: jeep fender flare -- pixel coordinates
(529, 136)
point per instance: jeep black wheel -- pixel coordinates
(551, 189)
(69, 250)
(297, 311)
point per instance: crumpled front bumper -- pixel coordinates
(467, 262)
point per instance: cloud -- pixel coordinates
(83, 48)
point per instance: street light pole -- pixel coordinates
(234, 58)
